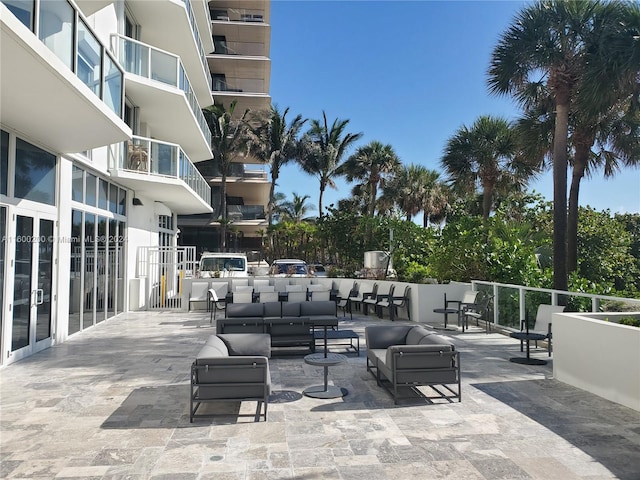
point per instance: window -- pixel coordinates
(77, 184)
(90, 198)
(4, 161)
(56, 29)
(89, 59)
(23, 10)
(35, 177)
(112, 86)
(103, 192)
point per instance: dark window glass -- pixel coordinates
(113, 198)
(75, 282)
(122, 202)
(77, 184)
(23, 10)
(35, 173)
(88, 294)
(90, 198)
(103, 192)
(4, 161)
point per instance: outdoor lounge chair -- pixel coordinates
(478, 311)
(386, 301)
(401, 302)
(542, 325)
(199, 292)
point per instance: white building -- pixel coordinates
(240, 66)
(101, 124)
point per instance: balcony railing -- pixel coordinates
(251, 85)
(155, 64)
(249, 49)
(196, 35)
(238, 15)
(512, 303)
(64, 31)
(237, 213)
(151, 157)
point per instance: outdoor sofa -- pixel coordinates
(289, 324)
(231, 367)
(402, 357)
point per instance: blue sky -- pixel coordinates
(404, 73)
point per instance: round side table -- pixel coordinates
(325, 360)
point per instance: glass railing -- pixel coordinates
(238, 15)
(151, 157)
(196, 35)
(63, 30)
(245, 212)
(238, 85)
(250, 49)
(155, 64)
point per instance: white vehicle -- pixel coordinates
(289, 267)
(221, 265)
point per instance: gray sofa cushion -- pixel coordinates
(247, 343)
(245, 310)
(325, 308)
(382, 336)
(290, 309)
(272, 309)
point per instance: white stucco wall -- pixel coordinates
(598, 356)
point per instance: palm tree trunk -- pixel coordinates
(487, 202)
(580, 163)
(223, 207)
(560, 272)
(272, 191)
(322, 187)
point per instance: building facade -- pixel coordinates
(241, 70)
(101, 129)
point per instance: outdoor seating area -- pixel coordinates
(133, 376)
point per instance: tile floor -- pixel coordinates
(112, 403)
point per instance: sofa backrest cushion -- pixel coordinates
(326, 307)
(382, 336)
(247, 344)
(290, 309)
(245, 310)
(416, 334)
(272, 309)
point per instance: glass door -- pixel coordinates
(29, 323)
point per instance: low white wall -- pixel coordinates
(598, 356)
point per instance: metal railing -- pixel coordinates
(513, 303)
(196, 35)
(238, 85)
(152, 157)
(238, 15)
(149, 62)
(249, 49)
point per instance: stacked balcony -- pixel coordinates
(49, 50)
(159, 83)
(161, 171)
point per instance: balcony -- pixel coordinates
(247, 49)
(160, 85)
(242, 213)
(243, 15)
(161, 171)
(42, 79)
(174, 26)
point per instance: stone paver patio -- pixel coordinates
(112, 403)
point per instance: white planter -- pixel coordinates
(598, 356)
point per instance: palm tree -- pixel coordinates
(229, 140)
(323, 148)
(409, 189)
(371, 164)
(296, 210)
(485, 155)
(275, 143)
(546, 44)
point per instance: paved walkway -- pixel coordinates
(112, 403)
